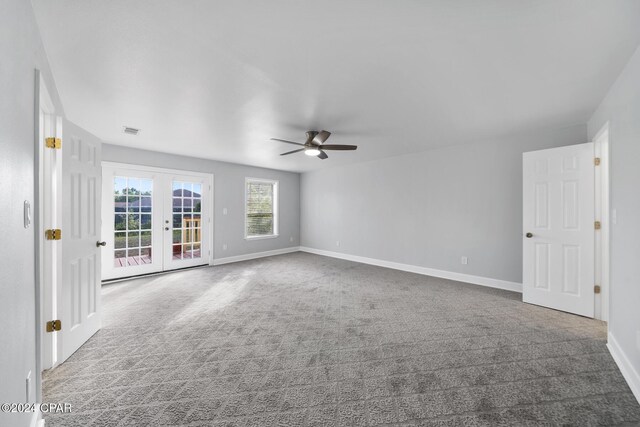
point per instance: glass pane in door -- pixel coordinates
(132, 221)
(187, 220)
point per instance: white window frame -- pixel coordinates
(276, 205)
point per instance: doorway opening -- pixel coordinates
(154, 220)
(48, 216)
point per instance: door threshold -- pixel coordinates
(159, 273)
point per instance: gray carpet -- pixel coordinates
(304, 340)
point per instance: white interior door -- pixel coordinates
(154, 220)
(79, 296)
(558, 234)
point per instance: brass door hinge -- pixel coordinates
(597, 225)
(55, 143)
(596, 161)
(54, 325)
(596, 289)
(53, 234)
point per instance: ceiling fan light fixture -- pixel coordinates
(315, 145)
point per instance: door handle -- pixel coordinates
(529, 235)
(98, 244)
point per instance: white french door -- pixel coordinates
(132, 217)
(154, 220)
(559, 235)
(187, 222)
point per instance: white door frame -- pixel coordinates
(602, 242)
(209, 176)
(48, 214)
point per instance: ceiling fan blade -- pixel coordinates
(288, 142)
(321, 137)
(291, 152)
(323, 155)
(338, 147)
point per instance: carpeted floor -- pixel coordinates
(306, 340)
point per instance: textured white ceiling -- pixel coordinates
(217, 79)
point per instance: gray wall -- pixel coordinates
(21, 52)
(430, 209)
(621, 107)
(228, 193)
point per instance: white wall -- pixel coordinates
(621, 108)
(228, 193)
(429, 209)
(21, 52)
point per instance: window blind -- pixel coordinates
(260, 201)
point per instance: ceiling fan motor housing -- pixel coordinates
(310, 135)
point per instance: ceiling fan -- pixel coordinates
(315, 145)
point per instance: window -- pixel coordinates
(187, 220)
(132, 235)
(261, 208)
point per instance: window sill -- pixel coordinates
(269, 236)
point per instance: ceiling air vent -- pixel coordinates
(130, 131)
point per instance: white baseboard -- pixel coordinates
(36, 419)
(460, 277)
(626, 368)
(246, 257)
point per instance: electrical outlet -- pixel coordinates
(337, 242)
(224, 246)
(291, 238)
(464, 260)
(28, 387)
(224, 211)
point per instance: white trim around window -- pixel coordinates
(275, 204)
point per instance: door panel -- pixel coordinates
(131, 222)
(542, 205)
(80, 288)
(542, 266)
(188, 207)
(559, 212)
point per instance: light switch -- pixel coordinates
(27, 214)
(224, 211)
